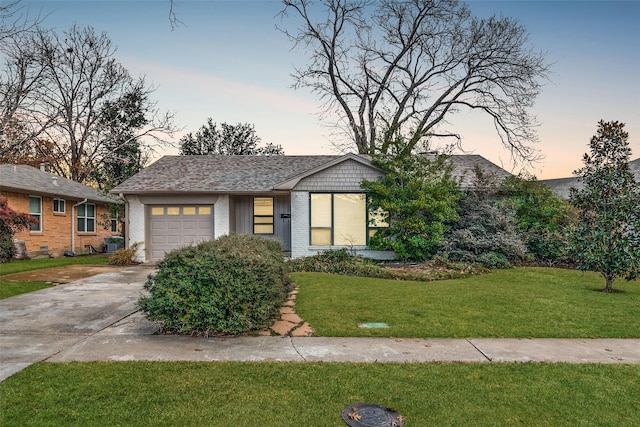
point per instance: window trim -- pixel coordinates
(64, 206)
(37, 215)
(84, 218)
(272, 216)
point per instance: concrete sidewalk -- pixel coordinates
(95, 319)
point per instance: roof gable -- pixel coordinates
(27, 179)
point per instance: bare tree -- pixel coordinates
(396, 70)
(73, 78)
(14, 19)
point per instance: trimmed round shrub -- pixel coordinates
(230, 285)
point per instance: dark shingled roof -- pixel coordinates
(562, 186)
(27, 179)
(219, 174)
(255, 174)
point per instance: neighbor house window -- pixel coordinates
(263, 215)
(87, 218)
(114, 221)
(58, 206)
(338, 219)
(35, 210)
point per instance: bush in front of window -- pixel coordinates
(231, 285)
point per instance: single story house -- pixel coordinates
(310, 203)
(69, 213)
(561, 187)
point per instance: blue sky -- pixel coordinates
(230, 63)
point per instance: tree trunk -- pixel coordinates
(609, 284)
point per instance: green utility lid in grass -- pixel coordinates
(373, 325)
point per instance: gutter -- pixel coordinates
(73, 223)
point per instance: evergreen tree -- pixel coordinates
(607, 237)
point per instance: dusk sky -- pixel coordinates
(230, 63)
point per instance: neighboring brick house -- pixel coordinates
(309, 203)
(70, 214)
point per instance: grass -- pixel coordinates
(20, 266)
(313, 394)
(9, 288)
(514, 303)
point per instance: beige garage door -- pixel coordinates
(176, 226)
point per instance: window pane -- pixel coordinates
(81, 210)
(189, 210)
(263, 229)
(91, 225)
(38, 226)
(91, 211)
(157, 211)
(263, 206)
(204, 210)
(320, 210)
(350, 216)
(114, 226)
(34, 205)
(81, 224)
(173, 211)
(320, 237)
(263, 220)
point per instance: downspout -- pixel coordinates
(73, 228)
(126, 220)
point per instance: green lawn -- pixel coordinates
(313, 394)
(515, 303)
(9, 288)
(20, 266)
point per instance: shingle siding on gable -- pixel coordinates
(345, 176)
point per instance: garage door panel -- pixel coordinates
(158, 225)
(189, 225)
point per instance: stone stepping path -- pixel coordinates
(289, 323)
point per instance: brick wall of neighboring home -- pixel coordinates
(55, 232)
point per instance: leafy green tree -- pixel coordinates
(541, 216)
(418, 198)
(607, 236)
(239, 139)
(123, 154)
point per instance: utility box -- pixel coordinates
(113, 243)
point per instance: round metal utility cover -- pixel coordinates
(371, 415)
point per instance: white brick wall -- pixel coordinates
(136, 226)
(221, 216)
(299, 224)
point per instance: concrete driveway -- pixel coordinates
(38, 325)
